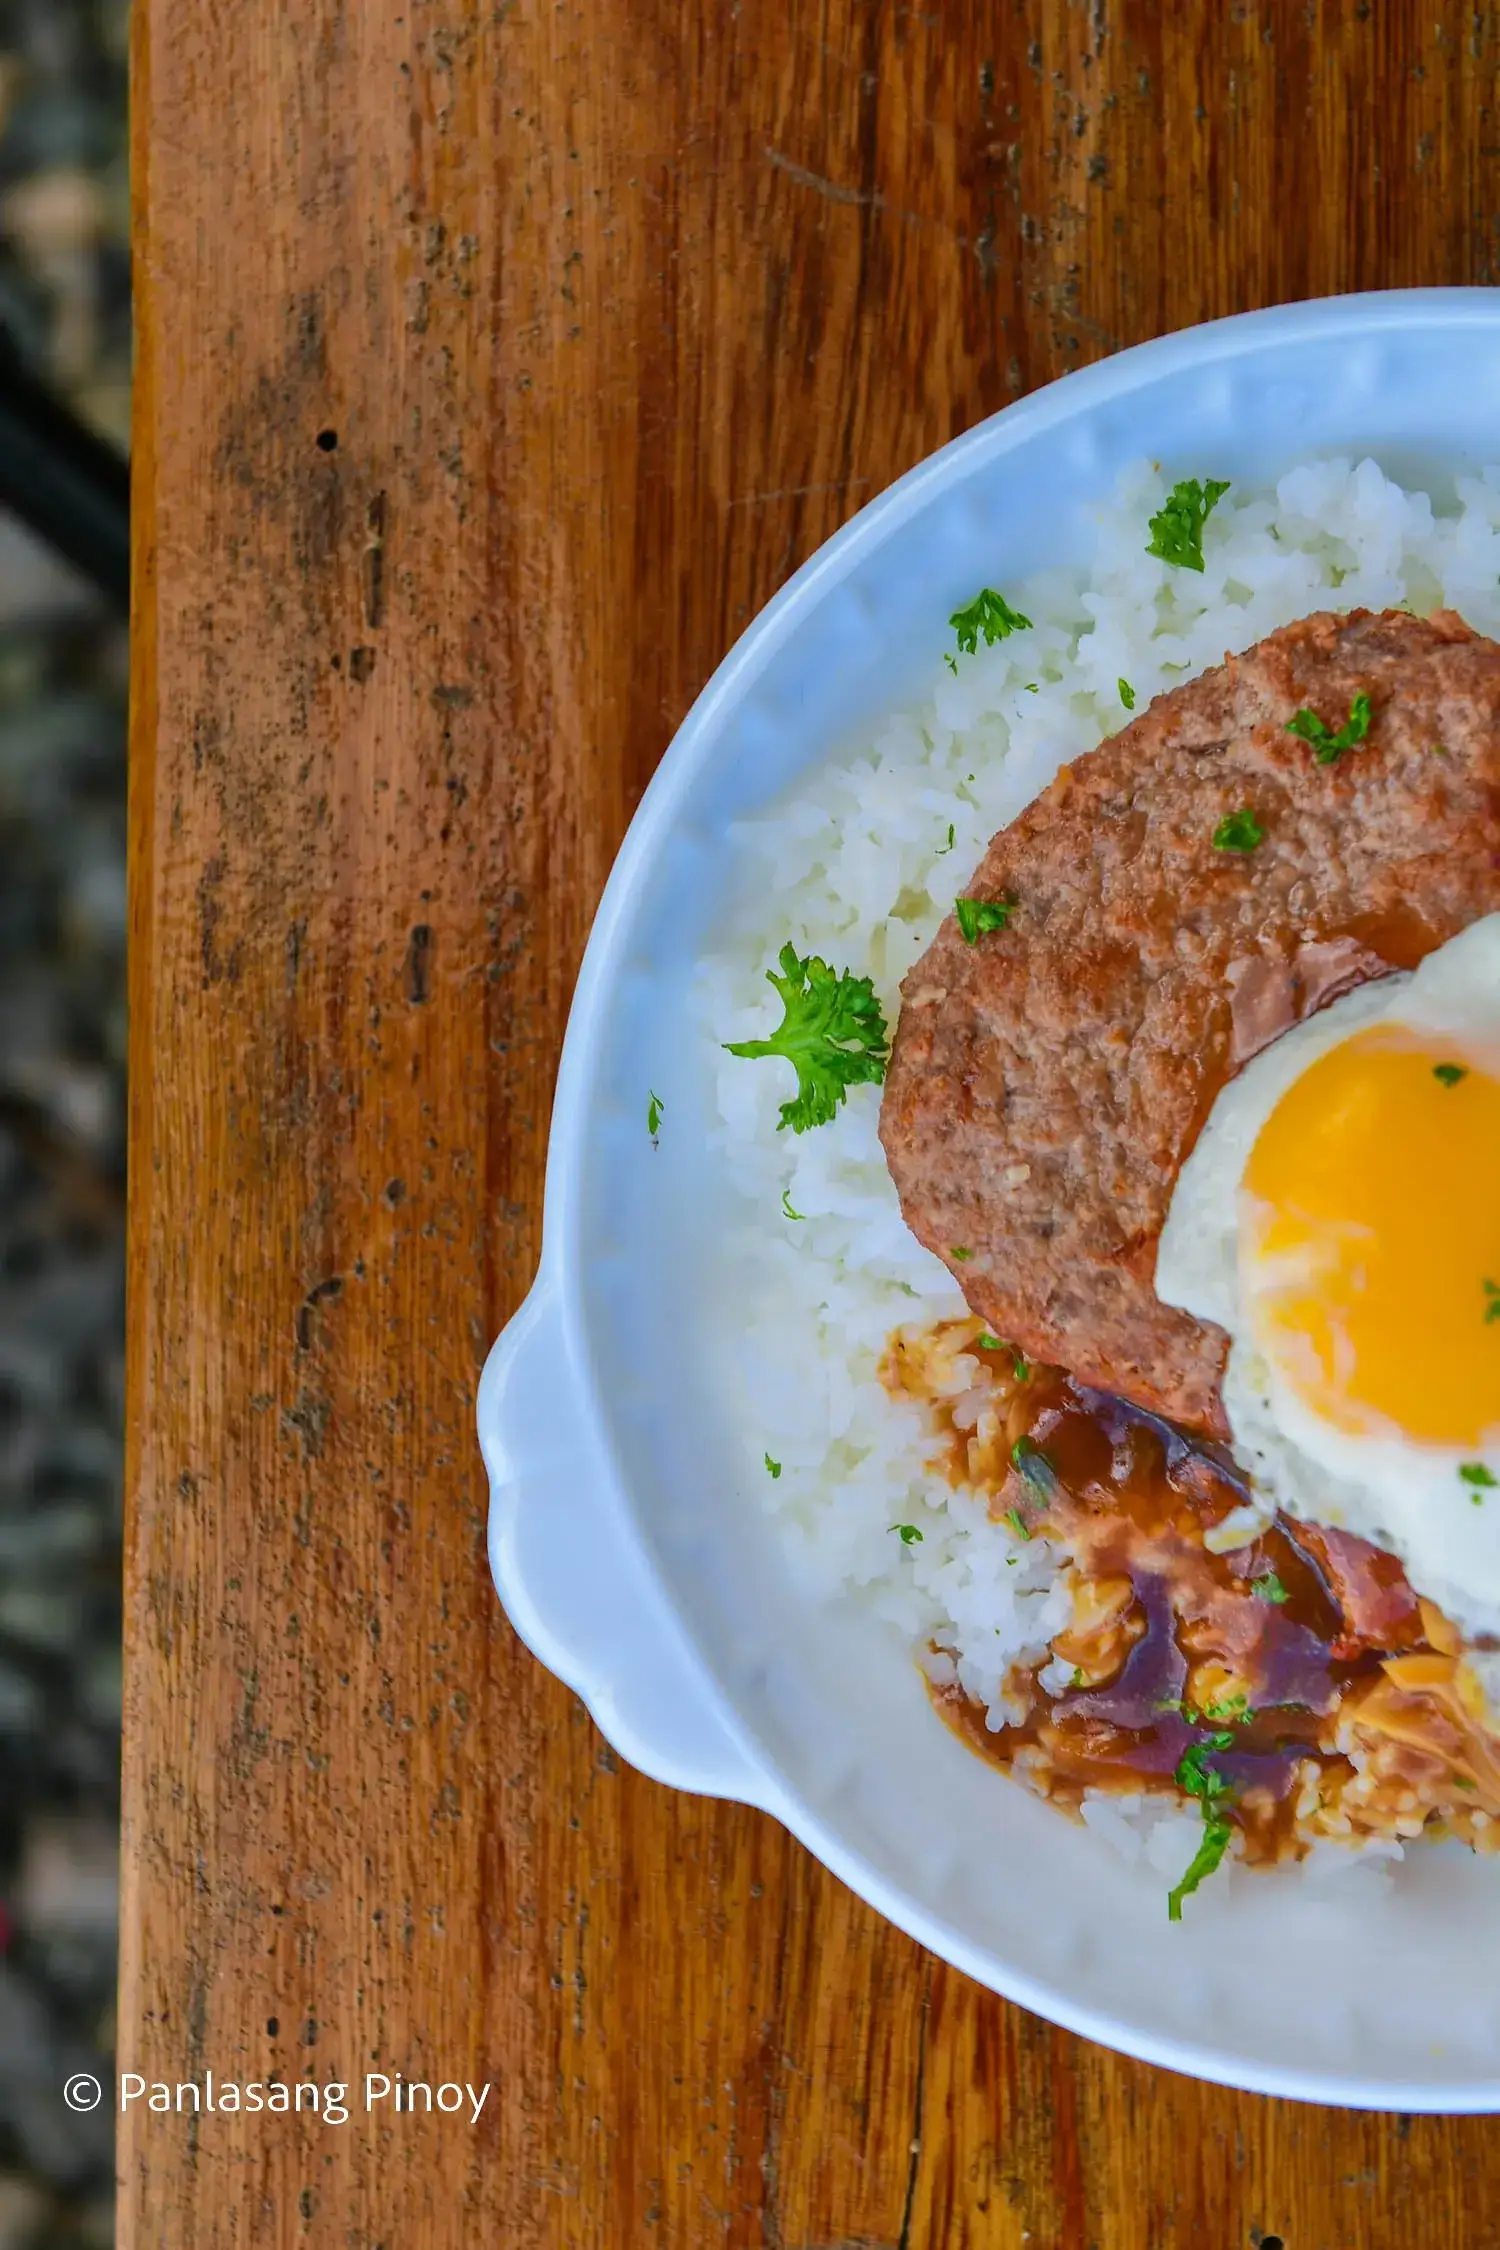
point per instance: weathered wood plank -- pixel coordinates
(614, 313)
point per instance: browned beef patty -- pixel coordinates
(1047, 1082)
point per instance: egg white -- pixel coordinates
(1379, 1483)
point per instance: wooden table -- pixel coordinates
(498, 359)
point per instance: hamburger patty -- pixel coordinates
(1047, 1082)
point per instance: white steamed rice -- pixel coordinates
(857, 866)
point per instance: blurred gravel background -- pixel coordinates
(64, 298)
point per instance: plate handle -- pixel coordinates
(572, 1575)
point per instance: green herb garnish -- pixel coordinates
(944, 849)
(1475, 1473)
(1328, 748)
(1197, 1777)
(786, 1205)
(908, 1534)
(1206, 1861)
(655, 1108)
(1018, 1523)
(1127, 694)
(1205, 1782)
(977, 916)
(1462, 1781)
(1233, 1711)
(1268, 1589)
(1177, 527)
(833, 1034)
(950, 660)
(1448, 1074)
(773, 1468)
(1078, 1679)
(1036, 1469)
(988, 613)
(1018, 1358)
(1238, 832)
(1492, 1306)
(961, 1255)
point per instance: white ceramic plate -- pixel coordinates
(625, 1545)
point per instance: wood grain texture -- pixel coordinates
(615, 310)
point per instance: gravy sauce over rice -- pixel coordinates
(1299, 1670)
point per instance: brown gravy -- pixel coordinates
(1258, 1660)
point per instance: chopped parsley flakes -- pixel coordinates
(1019, 1360)
(1328, 747)
(961, 1254)
(1238, 832)
(908, 1534)
(1036, 1469)
(1476, 1474)
(1018, 1523)
(1448, 1074)
(1127, 694)
(1268, 1588)
(1177, 527)
(1492, 1302)
(786, 1205)
(1234, 1710)
(832, 1033)
(655, 1109)
(773, 1468)
(944, 849)
(978, 916)
(988, 613)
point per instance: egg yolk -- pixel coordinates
(1369, 1241)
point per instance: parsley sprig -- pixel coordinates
(988, 613)
(832, 1033)
(1238, 832)
(1177, 527)
(977, 916)
(1205, 1782)
(1329, 747)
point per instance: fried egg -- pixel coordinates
(1339, 1218)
